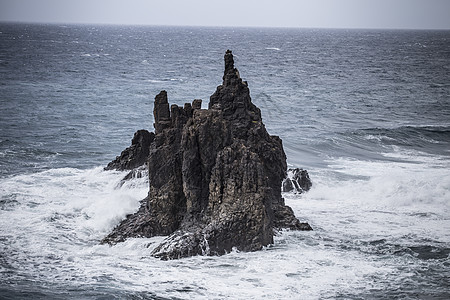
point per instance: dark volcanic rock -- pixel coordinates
(135, 155)
(215, 177)
(297, 181)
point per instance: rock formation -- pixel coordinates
(136, 155)
(297, 181)
(215, 176)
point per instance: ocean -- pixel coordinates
(366, 112)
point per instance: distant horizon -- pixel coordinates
(217, 26)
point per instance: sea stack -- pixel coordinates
(215, 176)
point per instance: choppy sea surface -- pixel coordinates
(367, 112)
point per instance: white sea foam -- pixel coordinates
(417, 157)
(88, 202)
(382, 199)
(413, 180)
(90, 55)
(164, 80)
(61, 215)
(154, 81)
(379, 138)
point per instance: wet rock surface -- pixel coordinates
(297, 181)
(215, 176)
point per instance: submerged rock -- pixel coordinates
(215, 177)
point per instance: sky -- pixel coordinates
(395, 14)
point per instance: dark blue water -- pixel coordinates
(367, 112)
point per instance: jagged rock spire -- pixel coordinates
(233, 99)
(231, 74)
(229, 61)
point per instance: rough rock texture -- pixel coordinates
(297, 181)
(136, 155)
(215, 177)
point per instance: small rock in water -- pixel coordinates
(297, 181)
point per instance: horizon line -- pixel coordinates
(213, 26)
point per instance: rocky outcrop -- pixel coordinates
(136, 155)
(297, 181)
(215, 177)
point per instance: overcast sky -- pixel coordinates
(411, 14)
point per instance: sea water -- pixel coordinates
(367, 112)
